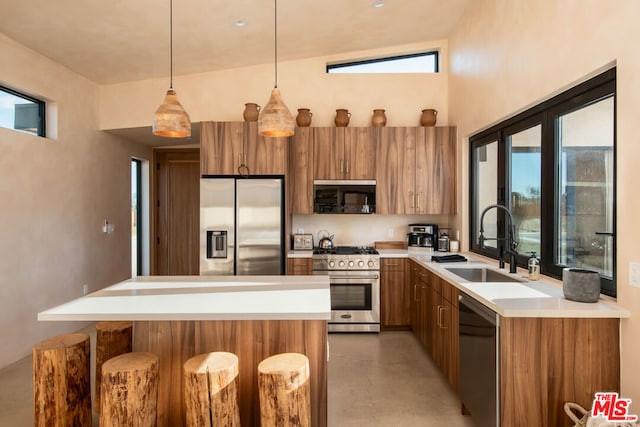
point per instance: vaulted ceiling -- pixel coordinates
(126, 40)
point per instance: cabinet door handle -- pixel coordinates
(412, 197)
(341, 166)
(244, 158)
(239, 159)
(392, 265)
(418, 201)
(347, 166)
(415, 296)
(440, 316)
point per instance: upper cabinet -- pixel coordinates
(225, 146)
(416, 170)
(301, 171)
(436, 170)
(343, 153)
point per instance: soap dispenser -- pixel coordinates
(533, 266)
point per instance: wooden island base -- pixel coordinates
(251, 340)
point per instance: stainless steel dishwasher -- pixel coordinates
(479, 363)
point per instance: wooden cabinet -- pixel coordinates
(395, 295)
(435, 320)
(416, 170)
(225, 146)
(443, 328)
(301, 172)
(344, 153)
(299, 266)
(545, 362)
(436, 170)
(419, 304)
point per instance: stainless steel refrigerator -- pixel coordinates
(241, 226)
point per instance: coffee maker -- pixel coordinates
(422, 235)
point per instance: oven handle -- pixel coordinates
(373, 276)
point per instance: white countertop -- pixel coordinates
(541, 298)
(203, 298)
(299, 254)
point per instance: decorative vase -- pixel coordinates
(342, 118)
(428, 117)
(303, 119)
(251, 112)
(581, 285)
(379, 119)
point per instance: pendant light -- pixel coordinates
(275, 119)
(170, 119)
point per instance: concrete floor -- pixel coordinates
(384, 380)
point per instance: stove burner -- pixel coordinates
(346, 250)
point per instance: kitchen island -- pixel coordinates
(254, 317)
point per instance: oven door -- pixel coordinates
(355, 301)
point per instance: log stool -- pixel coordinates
(211, 390)
(62, 381)
(112, 339)
(285, 393)
(129, 391)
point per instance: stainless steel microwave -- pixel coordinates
(344, 197)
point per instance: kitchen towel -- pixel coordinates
(448, 258)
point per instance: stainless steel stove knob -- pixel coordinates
(341, 263)
(351, 264)
(360, 263)
(370, 263)
(332, 264)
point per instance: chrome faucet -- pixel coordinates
(511, 239)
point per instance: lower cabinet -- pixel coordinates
(299, 266)
(434, 319)
(395, 310)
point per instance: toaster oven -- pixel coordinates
(303, 242)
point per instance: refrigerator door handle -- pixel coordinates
(216, 243)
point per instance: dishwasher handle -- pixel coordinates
(478, 308)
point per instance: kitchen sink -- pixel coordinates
(481, 274)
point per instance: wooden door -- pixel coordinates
(328, 153)
(264, 156)
(301, 172)
(395, 170)
(221, 147)
(359, 153)
(436, 177)
(177, 212)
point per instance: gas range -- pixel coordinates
(346, 258)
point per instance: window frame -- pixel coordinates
(42, 108)
(434, 53)
(546, 113)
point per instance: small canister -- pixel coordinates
(443, 241)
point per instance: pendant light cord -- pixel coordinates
(171, 43)
(275, 17)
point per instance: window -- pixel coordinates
(553, 166)
(21, 112)
(426, 62)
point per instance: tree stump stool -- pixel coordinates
(129, 391)
(285, 393)
(211, 390)
(62, 381)
(112, 339)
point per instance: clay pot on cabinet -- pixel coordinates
(428, 117)
(379, 119)
(251, 112)
(303, 119)
(342, 118)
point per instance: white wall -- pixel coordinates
(506, 55)
(55, 194)
(221, 95)
(364, 230)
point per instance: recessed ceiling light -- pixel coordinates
(240, 23)
(378, 4)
